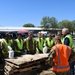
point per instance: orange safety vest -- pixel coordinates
(61, 63)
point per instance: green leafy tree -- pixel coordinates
(54, 22)
(48, 22)
(45, 23)
(60, 25)
(67, 24)
(28, 25)
(73, 23)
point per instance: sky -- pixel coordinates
(16, 13)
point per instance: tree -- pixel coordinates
(28, 25)
(67, 24)
(73, 23)
(60, 25)
(54, 22)
(48, 22)
(45, 23)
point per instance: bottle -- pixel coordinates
(44, 49)
(11, 53)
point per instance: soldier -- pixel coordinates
(18, 45)
(2, 61)
(6, 42)
(43, 38)
(30, 44)
(50, 41)
(39, 43)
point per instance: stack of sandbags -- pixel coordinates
(24, 63)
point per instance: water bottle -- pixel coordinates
(11, 52)
(44, 49)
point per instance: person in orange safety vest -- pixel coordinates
(61, 56)
(58, 58)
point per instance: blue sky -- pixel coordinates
(16, 13)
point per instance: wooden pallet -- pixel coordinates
(23, 64)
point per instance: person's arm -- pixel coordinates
(35, 45)
(66, 42)
(51, 56)
(1, 54)
(25, 46)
